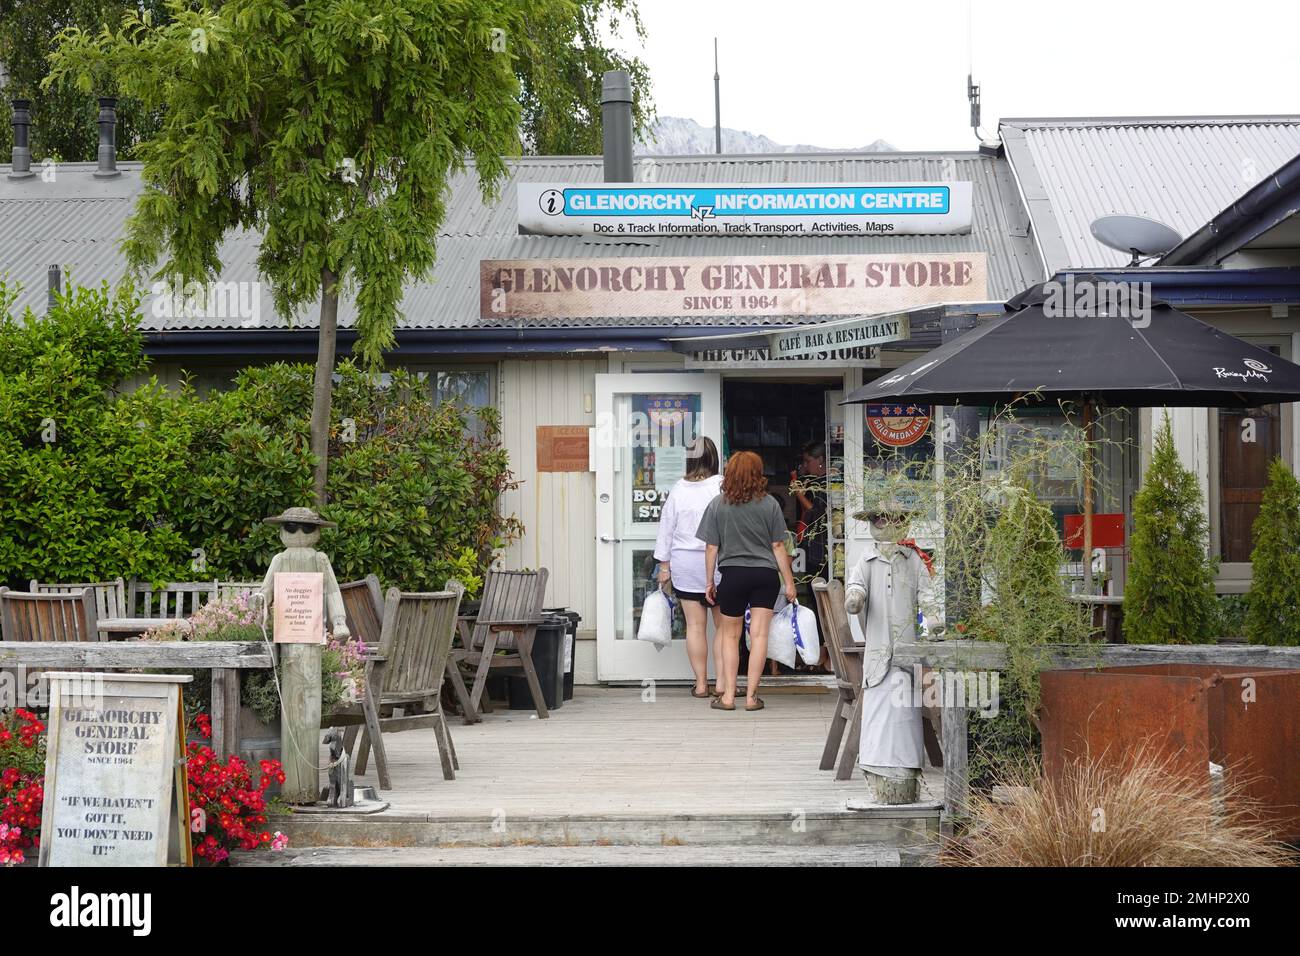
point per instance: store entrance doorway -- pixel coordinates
(796, 426)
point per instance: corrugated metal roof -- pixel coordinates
(77, 221)
(1178, 170)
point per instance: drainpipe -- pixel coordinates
(21, 163)
(616, 121)
(107, 138)
(961, 584)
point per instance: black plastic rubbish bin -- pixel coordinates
(570, 643)
(548, 658)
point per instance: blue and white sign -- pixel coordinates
(693, 209)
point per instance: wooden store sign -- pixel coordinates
(115, 786)
(647, 287)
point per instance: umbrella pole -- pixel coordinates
(1087, 495)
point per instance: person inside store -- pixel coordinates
(745, 534)
(808, 485)
(681, 557)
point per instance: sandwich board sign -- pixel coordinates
(116, 792)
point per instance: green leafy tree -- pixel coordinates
(559, 92)
(63, 117)
(1169, 595)
(1273, 607)
(329, 127)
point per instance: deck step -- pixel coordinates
(633, 855)
(889, 827)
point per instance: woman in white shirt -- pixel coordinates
(681, 556)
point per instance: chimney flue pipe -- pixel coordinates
(21, 163)
(107, 138)
(616, 123)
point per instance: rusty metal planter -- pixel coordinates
(1246, 719)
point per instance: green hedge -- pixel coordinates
(165, 485)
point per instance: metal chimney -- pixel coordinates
(53, 286)
(107, 138)
(21, 164)
(616, 120)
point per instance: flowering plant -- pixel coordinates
(225, 619)
(343, 673)
(22, 794)
(227, 809)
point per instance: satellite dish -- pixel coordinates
(1134, 234)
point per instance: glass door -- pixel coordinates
(643, 424)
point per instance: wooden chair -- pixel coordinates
(363, 601)
(172, 601)
(846, 661)
(509, 613)
(110, 596)
(406, 674)
(25, 616)
(364, 604)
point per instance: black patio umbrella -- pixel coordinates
(1053, 346)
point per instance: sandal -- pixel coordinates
(717, 704)
(757, 705)
(700, 696)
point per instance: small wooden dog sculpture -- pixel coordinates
(340, 788)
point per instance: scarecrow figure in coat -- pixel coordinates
(885, 590)
(300, 664)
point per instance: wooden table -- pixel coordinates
(122, 627)
(225, 659)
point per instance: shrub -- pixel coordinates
(1169, 597)
(22, 775)
(96, 483)
(1104, 813)
(88, 477)
(1273, 608)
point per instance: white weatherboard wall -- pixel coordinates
(558, 509)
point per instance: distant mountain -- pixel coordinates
(677, 136)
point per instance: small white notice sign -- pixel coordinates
(111, 770)
(299, 607)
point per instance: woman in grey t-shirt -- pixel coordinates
(744, 533)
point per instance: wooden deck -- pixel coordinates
(615, 766)
(610, 751)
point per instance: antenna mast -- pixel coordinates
(717, 100)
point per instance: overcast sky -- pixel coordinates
(840, 74)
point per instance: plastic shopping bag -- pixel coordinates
(656, 620)
(780, 642)
(803, 625)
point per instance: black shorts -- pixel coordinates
(695, 596)
(747, 587)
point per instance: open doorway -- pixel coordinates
(794, 426)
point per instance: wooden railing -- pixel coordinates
(225, 659)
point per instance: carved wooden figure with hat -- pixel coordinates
(300, 663)
(885, 589)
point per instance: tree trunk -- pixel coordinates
(322, 389)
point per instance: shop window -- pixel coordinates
(469, 389)
(897, 449)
